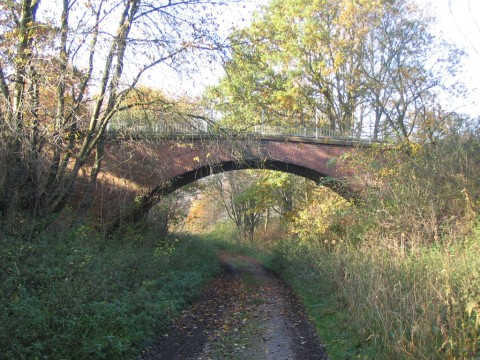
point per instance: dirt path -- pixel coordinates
(248, 313)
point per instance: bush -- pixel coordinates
(421, 197)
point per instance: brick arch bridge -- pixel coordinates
(136, 173)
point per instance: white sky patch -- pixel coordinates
(459, 23)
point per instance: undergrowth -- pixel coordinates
(376, 306)
(402, 278)
(76, 295)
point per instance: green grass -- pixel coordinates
(329, 317)
(78, 296)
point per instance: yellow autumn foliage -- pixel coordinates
(317, 216)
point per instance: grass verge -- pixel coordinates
(79, 296)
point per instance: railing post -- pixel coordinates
(304, 125)
(211, 119)
(263, 121)
(316, 123)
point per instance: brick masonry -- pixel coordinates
(136, 169)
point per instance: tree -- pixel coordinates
(54, 120)
(349, 64)
(252, 196)
(405, 68)
(318, 215)
(170, 211)
(300, 57)
(151, 110)
(284, 193)
(237, 193)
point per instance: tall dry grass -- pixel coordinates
(407, 269)
(423, 305)
(415, 305)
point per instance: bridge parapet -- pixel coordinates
(202, 121)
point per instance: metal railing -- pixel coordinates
(312, 132)
(201, 123)
(158, 128)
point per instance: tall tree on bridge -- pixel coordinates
(350, 64)
(65, 69)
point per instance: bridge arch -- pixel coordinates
(255, 164)
(163, 166)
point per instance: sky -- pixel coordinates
(459, 22)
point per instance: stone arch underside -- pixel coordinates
(153, 169)
(257, 164)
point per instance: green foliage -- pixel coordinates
(79, 296)
(317, 221)
(350, 66)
